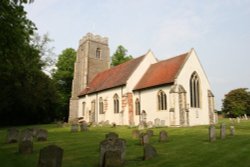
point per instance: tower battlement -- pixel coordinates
(92, 37)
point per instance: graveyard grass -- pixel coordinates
(187, 147)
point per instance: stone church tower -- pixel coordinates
(92, 58)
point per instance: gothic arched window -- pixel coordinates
(162, 100)
(116, 103)
(98, 53)
(137, 107)
(101, 111)
(194, 84)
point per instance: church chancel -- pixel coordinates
(170, 92)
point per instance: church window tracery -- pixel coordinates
(162, 100)
(194, 84)
(116, 103)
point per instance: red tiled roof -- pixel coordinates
(113, 77)
(163, 72)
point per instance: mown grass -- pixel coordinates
(187, 147)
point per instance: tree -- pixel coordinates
(63, 77)
(27, 95)
(237, 102)
(120, 56)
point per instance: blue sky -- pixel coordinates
(219, 31)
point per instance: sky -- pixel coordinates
(218, 30)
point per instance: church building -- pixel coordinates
(170, 92)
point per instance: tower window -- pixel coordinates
(116, 103)
(162, 100)
(98, 53)
(194, 84)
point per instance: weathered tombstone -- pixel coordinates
(74, 127)
(150, 124)
(232, 130)
(150, 132)
(157, 122)
(12, 135)
(135, 134)
(26, 135)
(144, 138)
(84, 126)
(33, 131)
(222, 131)
(212, 133)
(112, 152)
(141, 125)
(163, 122)
(111, 136)
(238, 119)
(25, 147)
(50, 156)
(245, 116)
(42, 135)
(149, 152)
(163, 136)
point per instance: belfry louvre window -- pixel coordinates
(116, 103)
(194, 84)
(101, 111)
(98, 53)
(137, 107)
(162, 100)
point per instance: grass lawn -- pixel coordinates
(187, 147)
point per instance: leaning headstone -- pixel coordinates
(50, 156)
(25, 147)
(163, 136)
(144, 138)
(150, 132)
(149, 152)
(212, 133)
(74, 128)
(157, 122)
(84, 126)
(12, 135)
(222, 131)
(112, 152)
(111, 136)
(42, 135)
(26, 135)
(135, 134)
(232, 130)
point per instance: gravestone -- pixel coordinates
(50, 156)
(150, 124)
(26, 135)
(84, 126)
(135, 134)
(25, 147)
(142, 125)
(150, 132)
(157, 122)
(163, 136)
(149, 152)
(238, 119)
(212, 133)
(222, 131)
(163, 122)
(106, 123)
(42, 135)
(113, 125)
(12, 135)
(112, 152)
(111, 136)
(74, 127)
(144, 138)
(232, 130)
(33, 131)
